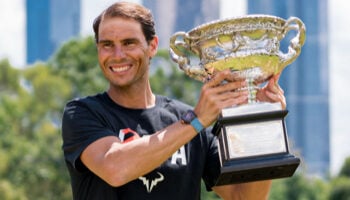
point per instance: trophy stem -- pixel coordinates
(252, 90)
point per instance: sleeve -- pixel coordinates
(212, 163)
(81, 126)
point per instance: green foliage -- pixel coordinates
(30, 112)
(299, 187)
(340, 189)
(345, 170)
(169, 81)
(8, 77)
(340, 186)
(9, 192)
(77, 62)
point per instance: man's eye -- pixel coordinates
(107, 45)
(129, 43)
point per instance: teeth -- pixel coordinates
(119, 69)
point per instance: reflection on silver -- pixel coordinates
(248, 45)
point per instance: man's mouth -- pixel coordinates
(120, 68)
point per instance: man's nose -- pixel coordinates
(118, 51)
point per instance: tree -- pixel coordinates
(340, 189)
(299, 187)
(76, 61)
(32, 165)
(168, 80)
(345, 170)
(341, 184)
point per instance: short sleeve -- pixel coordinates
(81, 125)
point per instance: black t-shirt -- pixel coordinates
(89, 119)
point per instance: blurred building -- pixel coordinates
(49, 23)
(180, 15)
(306, 81)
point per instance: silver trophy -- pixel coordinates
(253, 143)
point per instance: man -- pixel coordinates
(128, 143)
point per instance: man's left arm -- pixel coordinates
(258, 190)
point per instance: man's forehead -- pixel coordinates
(120, 28)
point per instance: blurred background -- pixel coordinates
(47, 56)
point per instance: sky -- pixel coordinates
(12, 46)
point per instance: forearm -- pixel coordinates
(254, 190)
(245, 191)
(123, 162)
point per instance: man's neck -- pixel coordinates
(137, 98)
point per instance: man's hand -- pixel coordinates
(272, 92)
(222, 91)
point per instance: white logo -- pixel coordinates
(154, 182)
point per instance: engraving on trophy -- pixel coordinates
(261, 139)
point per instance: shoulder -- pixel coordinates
(87, 99)
(94, 101)
(83, 107)
(172, 104)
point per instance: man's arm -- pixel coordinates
(118, 163)
(258, 190)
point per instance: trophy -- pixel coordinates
(252, 138)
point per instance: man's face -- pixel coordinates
(123, 52)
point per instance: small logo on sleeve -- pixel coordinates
(127, 135)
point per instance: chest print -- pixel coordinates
(150, 182)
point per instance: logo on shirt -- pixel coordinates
(151, 183)
(152, 180)
(127, 135)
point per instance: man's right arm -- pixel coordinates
(118, 163)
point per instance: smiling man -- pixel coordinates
(129, 143)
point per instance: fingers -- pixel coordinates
(222, 91)
(223, 77)
(272, 92)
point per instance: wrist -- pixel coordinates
(190, 118)
(197, 125)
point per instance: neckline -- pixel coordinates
(110, 101)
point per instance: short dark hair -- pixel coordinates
(128, 10)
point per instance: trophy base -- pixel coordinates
(240, 171)
(253, 144)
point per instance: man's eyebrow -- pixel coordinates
(104, 41)
(132, 39)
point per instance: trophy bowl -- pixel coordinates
(248, 44)
(252, 138)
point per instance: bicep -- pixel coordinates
(94, 155)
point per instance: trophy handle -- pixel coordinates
(294, 48)
(177, 44)
(179, 53)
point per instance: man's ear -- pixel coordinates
(153, 46)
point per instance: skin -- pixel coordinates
(124, 57)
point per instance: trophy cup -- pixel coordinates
(252, 138)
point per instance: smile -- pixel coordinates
(120, 69)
